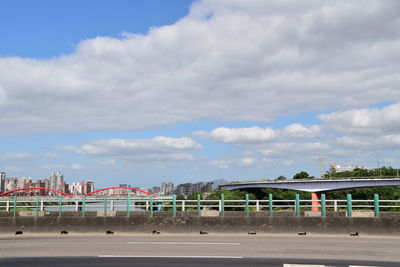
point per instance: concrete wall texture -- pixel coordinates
(188, 223)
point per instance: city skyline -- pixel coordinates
(56, 183)
(150, 91)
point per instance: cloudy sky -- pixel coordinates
(141, 92)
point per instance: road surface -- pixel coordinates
(197, 250)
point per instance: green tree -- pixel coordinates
(301, 175)
(358, 172)
(280, 178)
(230, 195)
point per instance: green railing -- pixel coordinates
(108, 206)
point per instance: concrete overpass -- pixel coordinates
(316, 185)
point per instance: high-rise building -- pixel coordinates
(90, 186)
(10, 184)
(57, 181)
(184, 189)
(197, 188)
(163, 188)
(24, 182)
(155, 190)
(2, 181)
(167, 189)
(170, 188)
(209, 186)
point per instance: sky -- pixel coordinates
(141, 92)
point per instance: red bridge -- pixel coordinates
(41, 191)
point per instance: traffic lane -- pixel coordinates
(314, 247)
(196, 262)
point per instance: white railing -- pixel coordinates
(17, 206)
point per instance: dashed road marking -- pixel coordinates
(158, 256)
(182, 243)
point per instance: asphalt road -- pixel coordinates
(196, 250)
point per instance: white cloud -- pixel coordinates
(298, 131)
(221, 163)
(53, 166)
(159, 144)
(16, 156)
(364, 121)
(50, 155)
(248, 161)
(386, 142)
(3, 96)
(227, 60)
(243, 135)
(76, 166)
(288, 163)
(160, 151)
(294, 149)
(261, 135)
(105, 161)
(62, 166)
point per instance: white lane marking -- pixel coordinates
(152, 256)
(311, 265)
(183, 243)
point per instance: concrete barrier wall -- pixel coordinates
(190, 224)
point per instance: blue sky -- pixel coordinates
(47, 29)
(142, 92)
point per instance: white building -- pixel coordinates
(335, 168)
(57, 181)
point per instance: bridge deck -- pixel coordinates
(317, 185)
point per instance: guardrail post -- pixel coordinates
(37, 206)
(222, 211)
(376, 205)
(257, 205)
(323, 205)
(270, 205)
(349, 206)
(297, 205)
(183, 205)
(8, 205)
(60, 206)
(174, 205)
(15, 206)
(198, 205)
(151, 206)
(105, 206)
(41, 205)
(128, 206)
(83, 207)
(247, 205)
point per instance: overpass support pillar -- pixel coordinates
(315, 201)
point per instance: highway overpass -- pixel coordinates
(316, 185)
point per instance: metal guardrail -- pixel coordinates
(152, 205)
(311, 180)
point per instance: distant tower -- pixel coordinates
(321, 160)
(2, 181)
